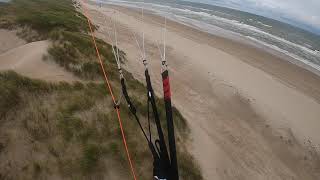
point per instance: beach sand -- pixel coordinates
(28, 59)
(252, 114)
(9, 40)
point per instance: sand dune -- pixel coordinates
(252, 114)
(28, 60)
(9, 40)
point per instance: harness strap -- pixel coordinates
(160, 165)
(174, 174)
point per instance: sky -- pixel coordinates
(302, 13)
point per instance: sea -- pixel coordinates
(301, 45)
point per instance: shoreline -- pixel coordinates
(245, 105)
(243, 51)
(232, 36)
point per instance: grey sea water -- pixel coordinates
(295, 42)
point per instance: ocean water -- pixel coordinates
(297, 43)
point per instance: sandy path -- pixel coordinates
(247, 122)
(28, 60)
(9, 40)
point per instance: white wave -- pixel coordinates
(225, 20)
(257, 30)
(176, 14)
(220, 31)
(193, 12)
(266, 25)
(276, 48)
(209, 28)
(305, 49)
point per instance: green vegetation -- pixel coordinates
(42, 16)
(72, 126)
(70, 50)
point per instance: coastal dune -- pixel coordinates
(29, 59)
(252, 114)
(9, 40)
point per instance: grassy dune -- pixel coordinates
(41, 17)
(70, 131)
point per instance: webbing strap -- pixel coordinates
(163, 152)
(132, 108)
(174, 174)
(159, 165)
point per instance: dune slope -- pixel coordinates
(29, 60)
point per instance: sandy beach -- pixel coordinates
(253, 114)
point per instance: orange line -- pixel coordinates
(110, 90)
(125, 144)
(99, 57)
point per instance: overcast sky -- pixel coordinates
(304, 13)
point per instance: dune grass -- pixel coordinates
(74, 51)
(42, 15)
(76, 127)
